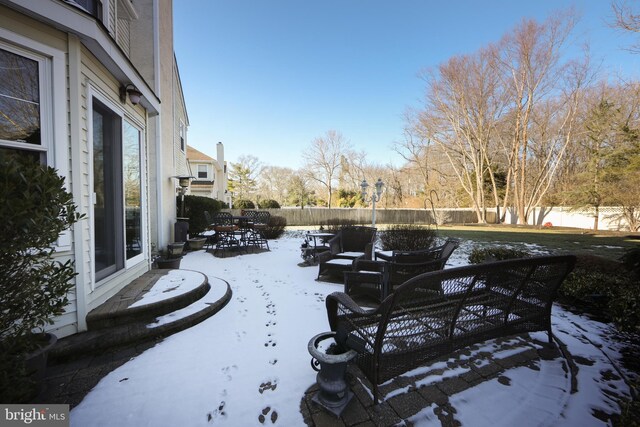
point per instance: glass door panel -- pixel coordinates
(107, 188)
(132, 190)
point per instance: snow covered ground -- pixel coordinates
(251, 359)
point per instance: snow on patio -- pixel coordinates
(249, 363)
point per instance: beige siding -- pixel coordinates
(111, 18)
(124, 36)
(34, 30)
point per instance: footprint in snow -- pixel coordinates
(268, 385)
(227, 370)
(217, 413)
(265, 412)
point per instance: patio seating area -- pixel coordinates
(239, 234)
(248, 364)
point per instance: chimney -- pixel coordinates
(220, 154)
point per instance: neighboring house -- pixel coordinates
(92, 89)
(210, 175)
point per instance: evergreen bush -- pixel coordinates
(606, 288)
(243, 204)
(35, 209)
(333, 225)
(194, 208)
(275, 227)
(268, 204)
(495, 253)
(407, 238)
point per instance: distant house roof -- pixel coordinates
(193, 154)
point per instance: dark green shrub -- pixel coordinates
(333, 225)
(268, 204)
(34, 209)
(604, 287)
(407, 238)
(496, 253)
(194, 208)
(243, 204)
(631, 261)
(275, 227)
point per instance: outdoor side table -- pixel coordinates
(383, 255)
(316, 247)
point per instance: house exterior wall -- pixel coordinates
(87, 64)
(168, 124)
(215, 185)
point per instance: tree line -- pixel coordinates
(516, 125)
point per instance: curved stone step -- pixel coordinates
(214, 300)
(129, 305)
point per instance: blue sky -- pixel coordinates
(268, 77)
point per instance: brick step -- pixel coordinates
(117, 310)
(94, 341)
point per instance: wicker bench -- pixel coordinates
(437, 313)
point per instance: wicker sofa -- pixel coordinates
(439, 312)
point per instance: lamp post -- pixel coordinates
(375, 196)
(181, 228)
(183, 182)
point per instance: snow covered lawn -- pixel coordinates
(249, 363)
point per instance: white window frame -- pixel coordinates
(182, 134)
(206, 172)
(53, 108)
(128, 263)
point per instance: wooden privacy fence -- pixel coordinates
(320, 216)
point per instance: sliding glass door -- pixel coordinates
(117, 192)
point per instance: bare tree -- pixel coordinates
(464, 103)
(414, 150)
(323, 160)
(243, 176)
(273, 182)
(352, 169)
(299, 192)
(627, 20)
(544, 98)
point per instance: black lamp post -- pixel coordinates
(182, 227)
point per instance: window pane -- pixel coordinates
(202, 171)
(19, 98)
(10, 154)
(132, 190)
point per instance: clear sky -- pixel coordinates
(268, 77)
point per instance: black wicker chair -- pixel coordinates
(350, 243)
(392, 271)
